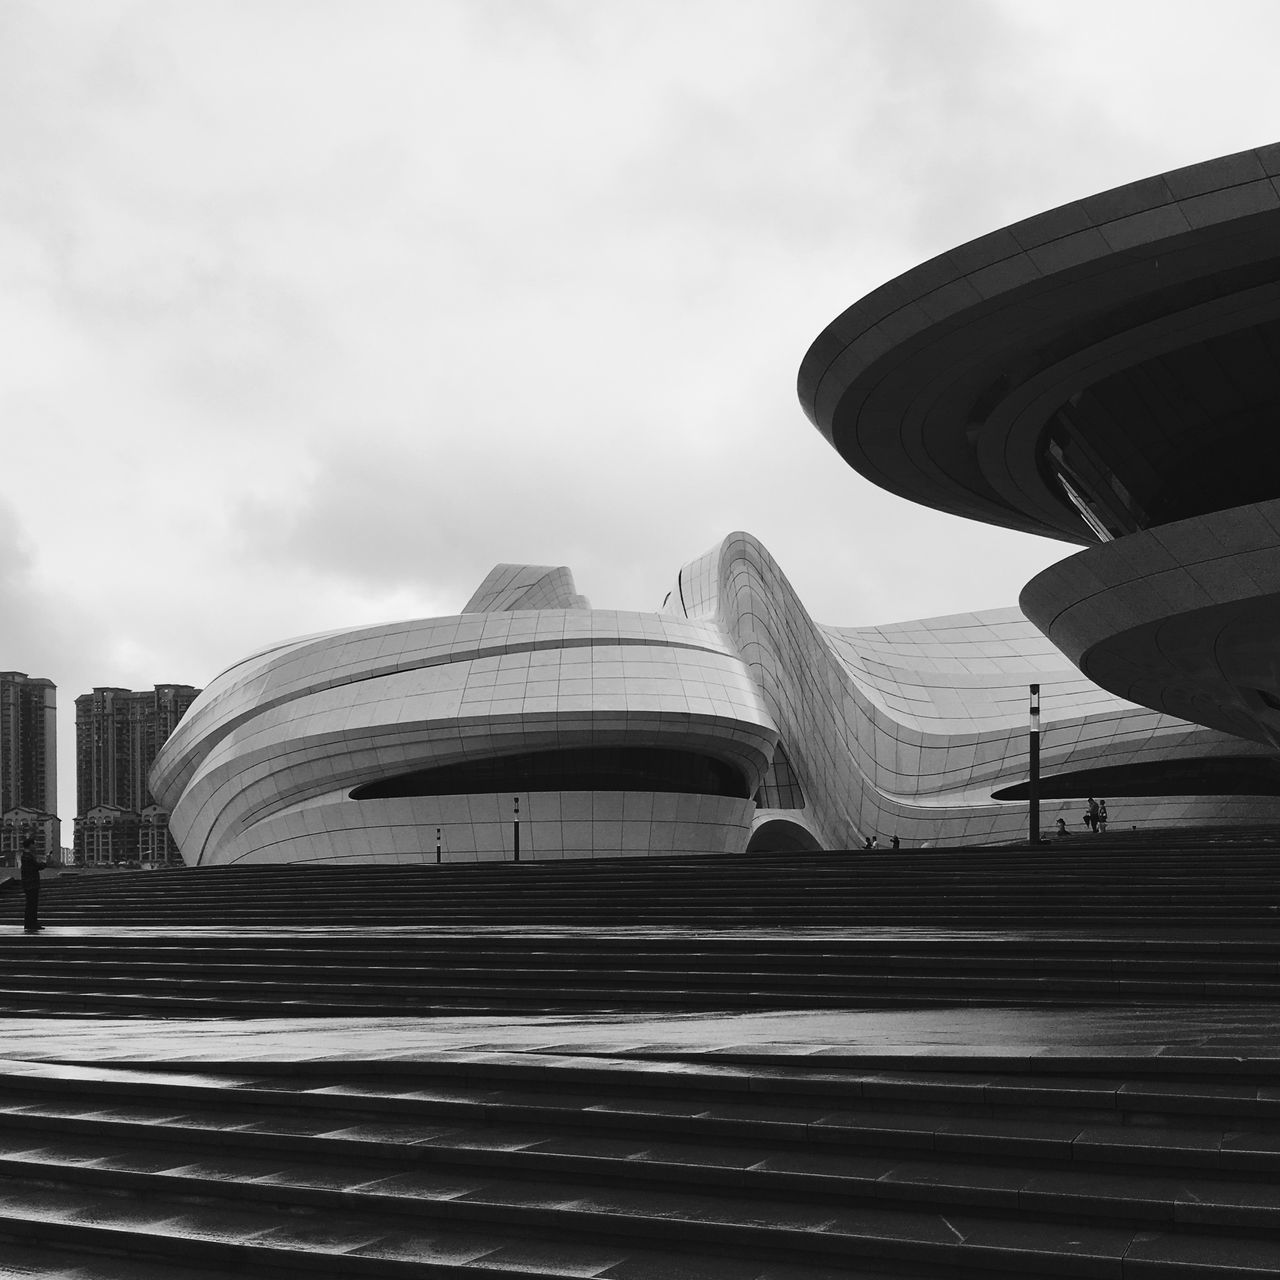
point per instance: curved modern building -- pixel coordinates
(1107, 373)
(728, 720)
(612, 731)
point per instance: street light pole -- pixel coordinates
(1033, 784)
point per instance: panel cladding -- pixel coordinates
(525, 586)
(300, 726)
(903, 729)
(907, 729)
(481, 828)
(938, 385)
(1105, 373)
(1182, 618)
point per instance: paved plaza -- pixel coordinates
(1214, 1035)
(1042, 1063)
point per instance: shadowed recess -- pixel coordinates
(781, 836)
(1216, 775)
(611, 769)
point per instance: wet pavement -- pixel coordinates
(1214, 932)
(1018, 1037)
(1227, 1030)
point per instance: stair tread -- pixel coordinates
(866, 1174)
(555, 1164)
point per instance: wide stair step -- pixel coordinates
(499, 1164)
(422, 974)
(746, 1167)
(1124, 883)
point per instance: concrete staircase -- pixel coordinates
(1100, 881)
(1101, 921)
(271, 977)
(496, 1165)
(656, 1164)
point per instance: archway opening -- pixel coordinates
(778, 835)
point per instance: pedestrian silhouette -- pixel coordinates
(31, 886)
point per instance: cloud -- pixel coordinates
(311, 312)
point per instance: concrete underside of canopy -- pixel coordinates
(1181, 618)
(938, 386)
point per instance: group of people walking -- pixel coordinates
(1095, 818)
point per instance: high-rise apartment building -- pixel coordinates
(118, 733)
(28, 762)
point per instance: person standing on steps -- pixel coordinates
(1092, 816)
(1102, 817)
(31, 886)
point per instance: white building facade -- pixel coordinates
(728, 720)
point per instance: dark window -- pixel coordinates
(575, 769)
(1182, 434)
(780, 788)
(780, 836)
(1212, 776)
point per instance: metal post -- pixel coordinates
(517, 831)
(437, 844)
(1033, 784)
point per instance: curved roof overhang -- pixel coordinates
(938, 386)
(1181, 618)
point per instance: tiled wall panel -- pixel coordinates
(900, 729)
(907, 729)
(482, 829)
(278, 742)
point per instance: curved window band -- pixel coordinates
(571, 769)
(1208, 776)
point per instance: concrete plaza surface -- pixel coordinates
(1214, 1035)
(1017, 1037)
(1057, 1094)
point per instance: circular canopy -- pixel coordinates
(1039, 377)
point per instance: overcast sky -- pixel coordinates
(312, 312)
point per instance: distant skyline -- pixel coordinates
(312, 312)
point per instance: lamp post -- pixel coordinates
(1033, 783)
